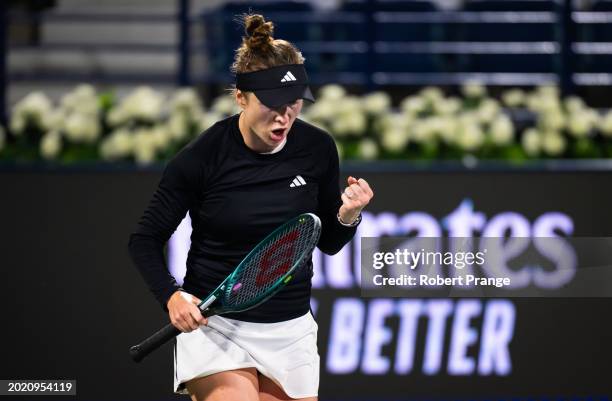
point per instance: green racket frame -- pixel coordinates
(222, 293)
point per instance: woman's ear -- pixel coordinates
(241, 99)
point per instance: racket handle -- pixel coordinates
(167, 333)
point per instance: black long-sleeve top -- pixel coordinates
(235, 197)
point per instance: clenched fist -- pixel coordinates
(354, 198)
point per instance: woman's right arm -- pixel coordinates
(176, 193)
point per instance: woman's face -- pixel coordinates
(264, 128)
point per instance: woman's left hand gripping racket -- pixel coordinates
(262, 273)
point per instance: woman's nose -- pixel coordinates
(282, 111)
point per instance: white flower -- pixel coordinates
(487, 110)
(123, 142)
(395, 139)
(161, 137)
(35, 103)
(368, 149)
(422, 131)
(448, 129)
(88, 107)
(340, 127)
(208, 119)
(81, 128)
(55, 120)
(531, 141)
(85, 91)
(349, 119)
(549, 104)
(502, 130)
(574, 104)
(186, 101)
(552, 120)
(117, 145)
(178, 126)
(68, 101)
(331, 92)
(321, 111)
(468, 117)
(413, 105)
(605, 124)
(548, 90)
(581, 123)
(144, 154)
(144, 103)
(116, 116)
(225, 105)
(17, 124)
(316, 123)
(144, 148)
(448, 106)
(82, 99)
(553, 143)
(428, 129)
(73, 127)
(34, 108)
(390, 121)
(438, 124)
(349, 123)
(377, 103)
(185, 98)
(543, 102)
(533, 102)
(473, 89)
(380, 123)
(432, 94)
(350, 104)
(513, 98)
(469, 136)
(51, 145)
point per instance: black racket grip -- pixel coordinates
(167, 333)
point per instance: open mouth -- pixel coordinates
(278, 134)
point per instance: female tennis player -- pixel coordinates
(239, 180)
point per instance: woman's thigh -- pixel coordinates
(270, 391)
(232, 385)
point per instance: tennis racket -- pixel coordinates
(262, 273)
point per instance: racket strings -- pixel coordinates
(272, 262)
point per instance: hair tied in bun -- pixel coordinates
(258, 32)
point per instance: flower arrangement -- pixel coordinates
(143, 127)
(147, 126)
(430, 125)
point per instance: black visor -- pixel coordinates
(277, 85)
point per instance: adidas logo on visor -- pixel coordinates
(298, 181)
(288, 77)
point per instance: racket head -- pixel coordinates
(270, 265)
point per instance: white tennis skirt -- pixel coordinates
(286, 352)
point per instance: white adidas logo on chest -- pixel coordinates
(298, 181)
